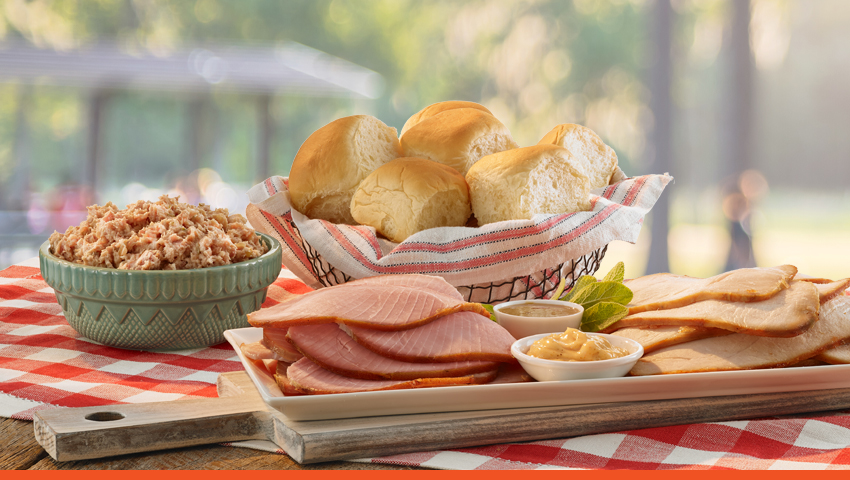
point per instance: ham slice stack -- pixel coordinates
(747, 318)
(381, 333)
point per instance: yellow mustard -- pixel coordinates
(575, 346)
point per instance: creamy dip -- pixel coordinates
(575, 346)
(539, 310)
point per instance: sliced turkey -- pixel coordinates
(829, 290)
(455, 337)
(786, 314)
(332, 349)
(836, 355)
(739, 351)
(665, 290)
(654, 338)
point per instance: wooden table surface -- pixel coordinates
(20, 451)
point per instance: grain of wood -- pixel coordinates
(314, 442)
(18, 448)
(378, 436)
(213, 457)
(69, 434)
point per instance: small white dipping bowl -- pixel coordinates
(521, 326)
(553, 370)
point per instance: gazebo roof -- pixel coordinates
(288, 68)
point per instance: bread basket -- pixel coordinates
(499, 262)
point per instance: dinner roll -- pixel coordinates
(457, 138)
(408, 195)
(599, 160)
(519, 183)
(334, 160)
(436, 108)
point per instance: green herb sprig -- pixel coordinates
(604, 301)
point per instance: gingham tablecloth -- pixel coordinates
(44, 363)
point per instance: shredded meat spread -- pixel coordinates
(161, 235)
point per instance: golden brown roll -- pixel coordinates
(439, 107)
(599, 160)
(334, 160)
(408, 195)
(457, 138)
(519, 183)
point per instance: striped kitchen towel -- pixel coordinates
(466, 257)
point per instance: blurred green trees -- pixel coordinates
(533, 63)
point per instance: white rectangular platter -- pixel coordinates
(535, 394)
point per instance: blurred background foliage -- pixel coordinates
(534, 63)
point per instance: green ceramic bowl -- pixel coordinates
(160, 309)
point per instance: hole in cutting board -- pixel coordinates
(104, 416)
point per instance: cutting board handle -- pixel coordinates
(95, 432)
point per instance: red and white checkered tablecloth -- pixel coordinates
(46, 364)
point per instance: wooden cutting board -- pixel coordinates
(240, 414)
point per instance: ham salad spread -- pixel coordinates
(161, 235)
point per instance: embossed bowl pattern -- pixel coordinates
(160, 309)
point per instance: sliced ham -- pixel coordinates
(455, 337)
(665, 290)
(786, 314)
(425, 282)
(739, 351)
(655, 338)
(305, 377)
(332, 349)
(511, 373)
(260, 356)
(275, 340)
(286, 386)
(376, 306)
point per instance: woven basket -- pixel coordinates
(535, 285)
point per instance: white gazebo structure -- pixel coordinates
(290, 68)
